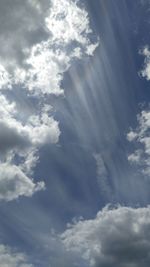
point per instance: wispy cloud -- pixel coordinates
(103, 177)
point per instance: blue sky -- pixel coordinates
(74, 133)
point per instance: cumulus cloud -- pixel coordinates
(115, 237)
(12, 258)
(14, 183)
(47, 39)
(68, 22)
(141, 140)
(19, 136)
(39, 40)
(21, 26)
(22, 140)
(10, 138)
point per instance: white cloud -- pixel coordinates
(23, 141)
(39, 40)
(14, 183)
(140, 138)
(146, 70)
(21, 26)
(135, 157)
(42, 129)
(18, 135)
(131, 136)
(39, 63)
(91, 48)
(12, 258)
(12, 136)
(117, 237)
(68, 22)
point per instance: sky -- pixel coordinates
(74, 133)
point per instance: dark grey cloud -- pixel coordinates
(10, 138)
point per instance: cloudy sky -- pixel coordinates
(74, 133)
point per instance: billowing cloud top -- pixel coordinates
(39, 40)
(115, 237)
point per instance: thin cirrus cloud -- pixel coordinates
(103, 177)
(39, 42)
(115, 237)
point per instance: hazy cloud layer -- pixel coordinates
(117, 237)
